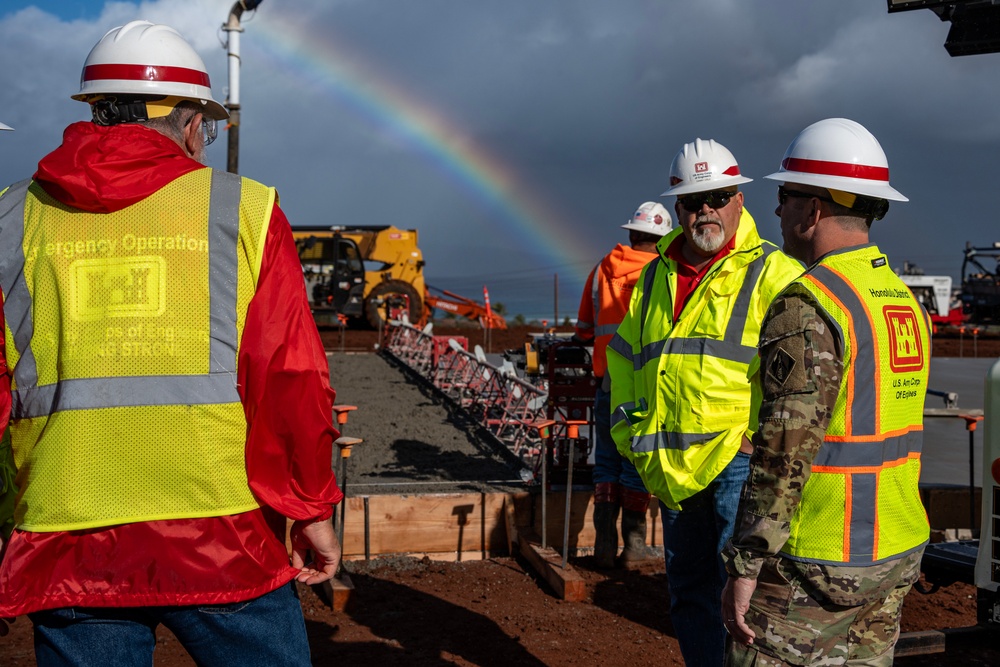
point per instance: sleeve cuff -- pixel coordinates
(741, 562)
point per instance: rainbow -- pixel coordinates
(319, 58)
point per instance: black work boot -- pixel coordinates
(634, 506)
(606, 524)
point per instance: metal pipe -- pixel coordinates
(368, 546)
(233, 29)
(569, 496)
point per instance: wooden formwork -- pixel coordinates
(474, 526)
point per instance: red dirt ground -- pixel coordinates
(420, 613)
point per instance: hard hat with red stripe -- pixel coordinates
(701, 166)
(142, 58)
(650, 218)
(838, 154)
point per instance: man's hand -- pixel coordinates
(320, 538)
(735, 603)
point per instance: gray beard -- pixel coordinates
(707, 239)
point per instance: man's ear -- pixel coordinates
(192, 134)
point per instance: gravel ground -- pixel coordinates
(414, 441)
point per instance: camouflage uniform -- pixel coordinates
(804, 613)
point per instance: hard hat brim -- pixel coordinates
(5, 127)
(876, 189)
(647, 229)
(705, 186)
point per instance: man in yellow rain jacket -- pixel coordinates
(679, 390)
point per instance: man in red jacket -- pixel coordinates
(167, 391)
(603, 305)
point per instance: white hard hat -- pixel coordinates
(650, 218)
(5, 127)
(701, 166)
(145, 59)
(838, 154)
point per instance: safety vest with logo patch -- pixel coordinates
(679, 391)
(861, 504)
(122, 334)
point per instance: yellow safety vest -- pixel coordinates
(679, 390)
(122, 335)
(861, 504)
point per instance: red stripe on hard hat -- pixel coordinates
(732, 171)
(146, 73)
(836, 169)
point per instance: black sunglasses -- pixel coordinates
(715, 199)
(784, 194)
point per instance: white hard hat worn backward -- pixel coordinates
(651, 218)
(838, 154)
(141, 58)
(701, 166)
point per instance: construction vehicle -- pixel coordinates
(361, 272)
(375, 273)
(981, 285)
(934, 293)
(460, 306)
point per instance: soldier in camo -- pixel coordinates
(830, 614)
(779, 610)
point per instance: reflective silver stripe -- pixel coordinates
(605, 329)
(224, 232)
(863, 500)
(731, 347)
(708, 347)
(618, 414)
(863, 363)
(621, 346)
(17, 299)
(217, 387)
(594, 296)
(648, 280)
(651, 442)
(584, 325)
(741, 309)
(868, 454)
(92, 394)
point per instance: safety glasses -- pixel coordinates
(209, 128)
(715, 199)
(784, 194)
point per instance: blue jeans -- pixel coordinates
(268, 630)
(609, 465)
(693, 539)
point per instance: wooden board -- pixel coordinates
(567, 584)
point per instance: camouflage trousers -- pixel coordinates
(807, 614)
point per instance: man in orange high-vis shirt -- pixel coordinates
(605, 300)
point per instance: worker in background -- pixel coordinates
(679, 389)
(171, 398)
(605, 299)
(831, 529)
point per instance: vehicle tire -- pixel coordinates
(386, 293)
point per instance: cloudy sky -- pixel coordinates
(517, 135)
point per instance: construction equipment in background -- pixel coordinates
(934, 293)
(981, 285)
(361, 272)
(460, 306)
